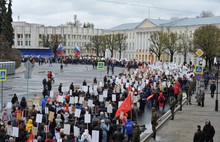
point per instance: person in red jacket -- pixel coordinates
(50, 138)
(176, 89)
(161, 101)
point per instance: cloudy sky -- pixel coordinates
(107, 13)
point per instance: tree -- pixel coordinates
(45, 41)
(157, 43)
(96, 44)
(10, 30)
(171, 44)
(185, 45)
(120, 43)
(103, 44)
(111, 43)
(207, 38)
(205, 14)
(6, 28)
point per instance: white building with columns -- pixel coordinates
(138, 34)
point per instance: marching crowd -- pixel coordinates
(103, 111)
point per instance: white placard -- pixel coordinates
(10, 131)
(59, 140)
(90, 90)
(127, 85)
(67, 129)
(71, 92)
(15, 131)
(95, 90)
(39, 118)
(51, 94)
(57, 135)
(9, 105)
(105, 93)
(35, 140)
(101, 98)
(90, 103)
(100, 84)
(81, 99)
(87, 118)
(113, 97)
(77, 113)
(46, 110)
(109, 109)
(76, 99)
(95, 136)
(119, 103)
(72, 100)
(106, 104)
(76, 131)
(134, 98)
(60, 99)
(85, 88)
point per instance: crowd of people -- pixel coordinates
(106, 110)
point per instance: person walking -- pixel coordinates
(209, 131)
(199, 135)
(154, 122)
(212, 88)
(172, 107)
(118, 136)
(129, 126)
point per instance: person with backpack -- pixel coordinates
(86, 137)
(129, 127)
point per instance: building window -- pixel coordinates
(26, 43)
(19, 43)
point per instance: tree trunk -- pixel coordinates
(112, 53)
(171, 57)
(210, 64)
(184, 58)
(158, 57)
(120, 55)
(97, 52)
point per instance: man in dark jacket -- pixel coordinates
(118, 136)
(209, 131)
(199, 135)
(212, 88)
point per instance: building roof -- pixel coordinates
(194, 21)
(126, 26)
(170, 23)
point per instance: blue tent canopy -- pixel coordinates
(36, 52)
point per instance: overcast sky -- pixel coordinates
(107, 13)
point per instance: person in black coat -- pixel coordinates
(199, 135)
(23, 103)
(209, 131)
(212, 88)
(14, 99)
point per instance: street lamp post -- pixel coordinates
(216, 100)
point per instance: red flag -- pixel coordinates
(31, 138)
(149, 97)
(125, 106)
(129, 88)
